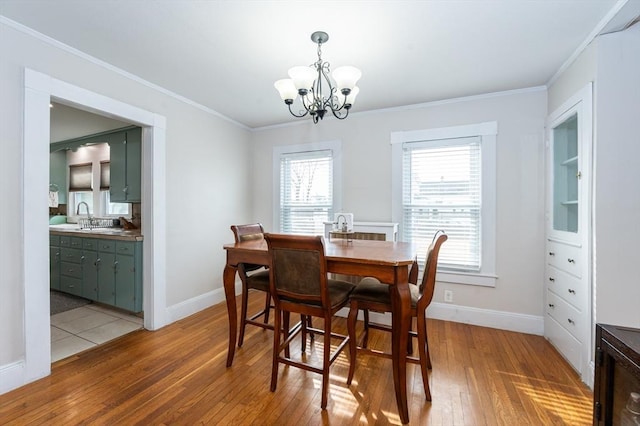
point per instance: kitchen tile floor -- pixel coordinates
(86, 327)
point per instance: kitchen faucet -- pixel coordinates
(87, 208)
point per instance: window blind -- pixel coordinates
(105, 175)
(306, 191)
(441, 189)
(80, 177)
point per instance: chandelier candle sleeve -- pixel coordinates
(318, 88)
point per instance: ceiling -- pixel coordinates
(226, 55)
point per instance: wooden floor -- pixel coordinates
(177, 376)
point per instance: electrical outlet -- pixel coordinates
(448, 296)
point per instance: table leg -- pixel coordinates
(229, 278)
(401, 315)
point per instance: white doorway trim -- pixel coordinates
(40, 90)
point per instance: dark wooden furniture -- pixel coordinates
(299, 284)
(385, 260)
(617, 372)
(370, 294)
(253, 277)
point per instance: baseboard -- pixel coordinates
(12, 376)
(522, 323)
(196, 304)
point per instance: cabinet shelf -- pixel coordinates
(569, 161)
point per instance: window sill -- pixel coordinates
(483, 280)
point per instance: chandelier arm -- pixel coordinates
(296, 115)
(336, 113)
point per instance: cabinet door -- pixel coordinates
(58, 174)
(106, 278)
(134, 165)
(126, 164)
(54, 267)
(118, 168)
(90, 275)
(125, 282)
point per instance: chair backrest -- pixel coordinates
(252, 231)
(427, 286)
(298, 268)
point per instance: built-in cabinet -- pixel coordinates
(104, 270)
(126, 160)
(568, 320)
(58, 175)
(125, 146)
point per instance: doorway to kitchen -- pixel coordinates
(40, 90)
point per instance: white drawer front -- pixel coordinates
(570, 288)
(564, 257)
(566, 344)
(566, 315)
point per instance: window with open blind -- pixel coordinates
(306, 191)
(441, 189)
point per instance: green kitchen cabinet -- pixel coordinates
(90, 261)
(103, 270)
(58, 175)
(126, 166)
(54, 262)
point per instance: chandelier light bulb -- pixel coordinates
(287, 89)
(303, 77)
(346, 77)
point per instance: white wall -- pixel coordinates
(617, 179)
(202, 150)
(612, 62)
(367, 186)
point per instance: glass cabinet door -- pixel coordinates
(565, 175)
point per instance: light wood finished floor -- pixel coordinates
(177, 376)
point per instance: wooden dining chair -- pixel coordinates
(253, 277)
(371, 295)
(299, 284)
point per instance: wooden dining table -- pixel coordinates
(388, 261)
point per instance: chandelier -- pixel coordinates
(307, 82)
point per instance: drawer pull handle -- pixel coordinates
(551, 305)
(572, 291)
(571, 260)
(571, 321)
(551, 253)
(552, 279)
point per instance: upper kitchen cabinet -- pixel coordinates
(126, 165)
(58, 175)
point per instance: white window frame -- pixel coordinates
(488, 134)
(335, 146)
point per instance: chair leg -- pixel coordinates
(303, 333)
(286, 316)
(353, 349)
(277, 327)
(422, 350)
(325, 361)
(243, 314)
(410, 339)
(365, 337)
(426, 345)
(267, 307)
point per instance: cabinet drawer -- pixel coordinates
(71, 269)
(71, 255)
(566, 344)
(106, 246)
(125, 247)
(566, 315)
(89, 244)
(564, 257)
(570, 288)
(71, 285)
(54, 240)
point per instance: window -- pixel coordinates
(81, 187)
(307, 187)
(445, 179)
